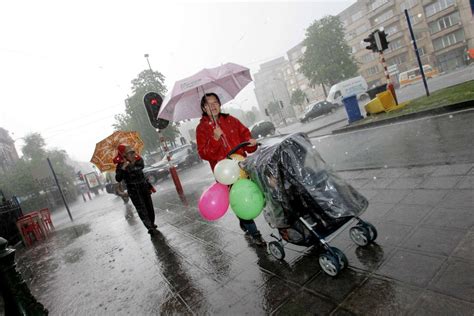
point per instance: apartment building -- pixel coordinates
(8, 153)
(443, 30)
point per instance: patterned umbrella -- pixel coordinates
(106, 149)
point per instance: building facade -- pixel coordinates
(271, 85)
(444, 31)
(8, 153)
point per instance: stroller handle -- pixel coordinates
(236, 148)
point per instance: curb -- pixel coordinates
(327, 125)
(436, 111)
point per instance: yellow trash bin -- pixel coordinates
(374, 106)
(387, 100)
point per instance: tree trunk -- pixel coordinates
(324, 90)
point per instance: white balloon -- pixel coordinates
(227, 171)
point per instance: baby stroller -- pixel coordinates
(305, 200)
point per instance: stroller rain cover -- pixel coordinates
(290, 166)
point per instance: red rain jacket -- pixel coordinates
(215, 150)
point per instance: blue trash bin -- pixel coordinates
(352, 108)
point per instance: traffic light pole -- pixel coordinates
(172, 170)
(390, 86)
(417, 53)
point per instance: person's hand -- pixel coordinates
(217, 133)
(125, 165)
(253, 142)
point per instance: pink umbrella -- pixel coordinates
(184, 101)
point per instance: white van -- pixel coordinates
(357, 86)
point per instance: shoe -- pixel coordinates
(155, 226)
(258, 240)
(153, 231)
(244, 230)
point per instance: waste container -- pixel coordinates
(352, 108)
(376, 90)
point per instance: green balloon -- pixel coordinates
(246, 199)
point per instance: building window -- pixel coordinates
(448, 40)
(408, 4)
(372, 70)
(438, 6)
(362, 29)
(377, 4)
(397, 60)
(445, 22)
(384, 17)
(394, 45)
(391, 29)
(367, 58)
(357, 16)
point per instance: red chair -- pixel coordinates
(29, 228)
(46, 217)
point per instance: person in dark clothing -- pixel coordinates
(216, 135)
(130, 169)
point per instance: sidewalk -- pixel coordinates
(422, 263)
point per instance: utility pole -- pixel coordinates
(417, 53)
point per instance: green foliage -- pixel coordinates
(34, 146)
(327, 59)
(135, 117)
(298, 97)
(273, 107)
(19, 181)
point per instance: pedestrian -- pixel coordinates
(130, 169)
(216, 134)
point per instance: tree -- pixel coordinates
(273, 107)
(135, 117)
(327, 59)
(250, 117)
(21, 182)
(298, 97)
(34, 148)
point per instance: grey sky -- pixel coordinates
(66, 67)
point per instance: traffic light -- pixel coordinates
(371, 40)
(153, 101)
(383, 40)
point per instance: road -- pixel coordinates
(432, 140)
(445, 80)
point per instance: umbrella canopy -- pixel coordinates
(184, 101)
(106, 149)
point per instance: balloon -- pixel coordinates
(227, 171)
(246, 199)
(214, 202)
(243, 174)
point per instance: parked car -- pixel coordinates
(317, 109)
(181, 157)
(262, 129)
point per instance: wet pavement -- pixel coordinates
(106, 263)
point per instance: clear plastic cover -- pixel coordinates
(296, 182)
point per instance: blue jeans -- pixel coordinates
(249, 226)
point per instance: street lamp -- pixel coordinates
(148, 61)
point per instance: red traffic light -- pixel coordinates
(154, 102)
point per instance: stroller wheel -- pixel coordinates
(372, 230)
(341, 257)
(360, 235)
(276, 249)
(329, 263)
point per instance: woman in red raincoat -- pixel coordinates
(216, 134)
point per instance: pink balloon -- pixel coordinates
(214, 202)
